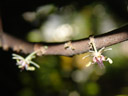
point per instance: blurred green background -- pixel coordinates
(60, 21)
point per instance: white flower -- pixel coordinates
(24, 63)
(97, 56)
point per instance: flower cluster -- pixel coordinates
(97, 56)
(24, 63)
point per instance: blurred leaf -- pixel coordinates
(26, 92)
(92, 89)
(34, 36)
(66, 63)
(81, 63)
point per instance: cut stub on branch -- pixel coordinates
(69, 45)
(41, 49)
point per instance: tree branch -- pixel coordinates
(81, 46)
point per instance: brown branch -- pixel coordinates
(81, 46)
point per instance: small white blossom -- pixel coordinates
(24, 63)
(97, 56)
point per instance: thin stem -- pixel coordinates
(29, 57)
(94, 47)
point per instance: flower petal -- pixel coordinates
(99, 62)
(86, 56)
(109, 60)
(30, 68)
(101, 50)
(88, 64)
(35, 64)
(108, 49)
